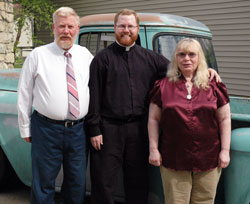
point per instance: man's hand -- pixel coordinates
(212, 73)
(97, 142)
(27, 139)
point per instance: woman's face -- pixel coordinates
(187, 61)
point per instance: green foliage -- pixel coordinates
(38, 11)
(19, 62)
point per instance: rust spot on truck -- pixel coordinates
(148, 19)
(10, 75)
(108, 19)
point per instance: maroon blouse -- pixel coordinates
(190, 131)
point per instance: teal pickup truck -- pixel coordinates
(160, 33)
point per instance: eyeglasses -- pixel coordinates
(190, 54)
(123, 27)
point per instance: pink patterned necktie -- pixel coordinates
(73, 98)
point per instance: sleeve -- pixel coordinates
(25, 95)
(90, 56)
(162, 66)
(93, 118)
(221, 94)
(155, 94)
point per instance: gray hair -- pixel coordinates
(66, 11)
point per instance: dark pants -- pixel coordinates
(125, 145)
(54, 145)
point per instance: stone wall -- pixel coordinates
(6, 34)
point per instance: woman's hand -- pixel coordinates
(224, 158)
(155, 158)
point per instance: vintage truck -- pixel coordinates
(160, 33)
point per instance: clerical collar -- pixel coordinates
(127, 48)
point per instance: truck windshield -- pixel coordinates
(165, 45)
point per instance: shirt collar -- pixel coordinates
(127, 48)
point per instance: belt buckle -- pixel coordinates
(68, 123)
(131, 119)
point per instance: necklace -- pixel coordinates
(189, 89)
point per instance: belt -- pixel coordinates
(65, 123)
(129, 119)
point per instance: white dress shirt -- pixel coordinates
(43, 84)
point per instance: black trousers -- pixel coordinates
(125, 145)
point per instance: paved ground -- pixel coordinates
(20, 194)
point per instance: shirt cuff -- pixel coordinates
(25, 132)
(93, 131)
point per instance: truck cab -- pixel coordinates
(158, 32)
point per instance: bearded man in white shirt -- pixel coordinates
(54, 81)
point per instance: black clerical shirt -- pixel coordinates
(119, 83)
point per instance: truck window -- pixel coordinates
(165, 45)
(96, 41)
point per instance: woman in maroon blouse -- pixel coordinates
(194, 116)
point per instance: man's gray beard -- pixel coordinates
(65, 45)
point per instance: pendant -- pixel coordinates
(189, 96)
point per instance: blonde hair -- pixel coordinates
(126, 12)
(66, 11)
(201, 74)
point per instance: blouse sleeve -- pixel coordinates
(155, 94)
(221, 93)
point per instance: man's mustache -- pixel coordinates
(65, 36)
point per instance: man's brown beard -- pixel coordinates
(126, 42)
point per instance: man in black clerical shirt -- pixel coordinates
(120, 79)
